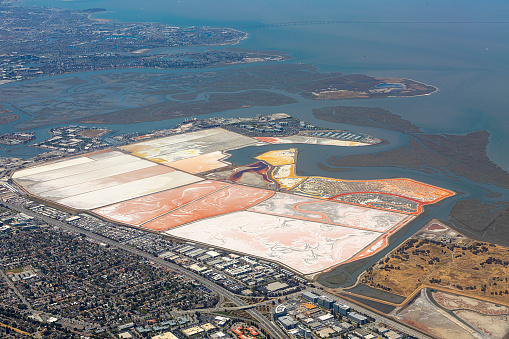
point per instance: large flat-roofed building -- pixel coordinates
(346, 326)
(325, 332)
(360, 319)
(166, 335)
(326, 317)
(288, 322)
(221, 321)
(208, 326)
(326, 302)
(125, 326)
(192, 331)
(311, 297)
(316, 325)
(275, 286)
(341, 309)
(300, 332)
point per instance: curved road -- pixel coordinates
(269, 326)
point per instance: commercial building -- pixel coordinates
(325, 302)
(326, 332)
(326, 317)
(280, 311)
(221, 321)
(300, 332)
(393, 335)
(288, 322)
(218, 335)
(208, 327)
(166, 335)
(311, 297)
(192, 331)
(341, 309)
(360, 319)
(346, 326)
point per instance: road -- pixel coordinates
(269, 326)
(396, 325)
(216, 309)
(15, 290)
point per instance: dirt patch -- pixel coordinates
(436, 227)
(94, 133)
(478, 270)
(364, 290)
(384, 308)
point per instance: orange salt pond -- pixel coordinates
(231, 199)
(201, 163)
(278, 158)
(140, 210)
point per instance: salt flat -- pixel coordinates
(140, 210)
(155, 145)
(188, 145)
(127, 191)
(113, 160)
(302, 139)
(230, 199)
(330, 212)
(69, 181)
(50, 166)
(200, 163)
(68, 187)
(304, 246)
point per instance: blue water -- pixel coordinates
(467, 62)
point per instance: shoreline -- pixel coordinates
(89, 17)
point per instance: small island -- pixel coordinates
(6, 119)
(17, 138)
(359, 86)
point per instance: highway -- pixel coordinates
(267, 325)
(396, 325)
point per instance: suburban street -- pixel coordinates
(269, 326)
(13, 287)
